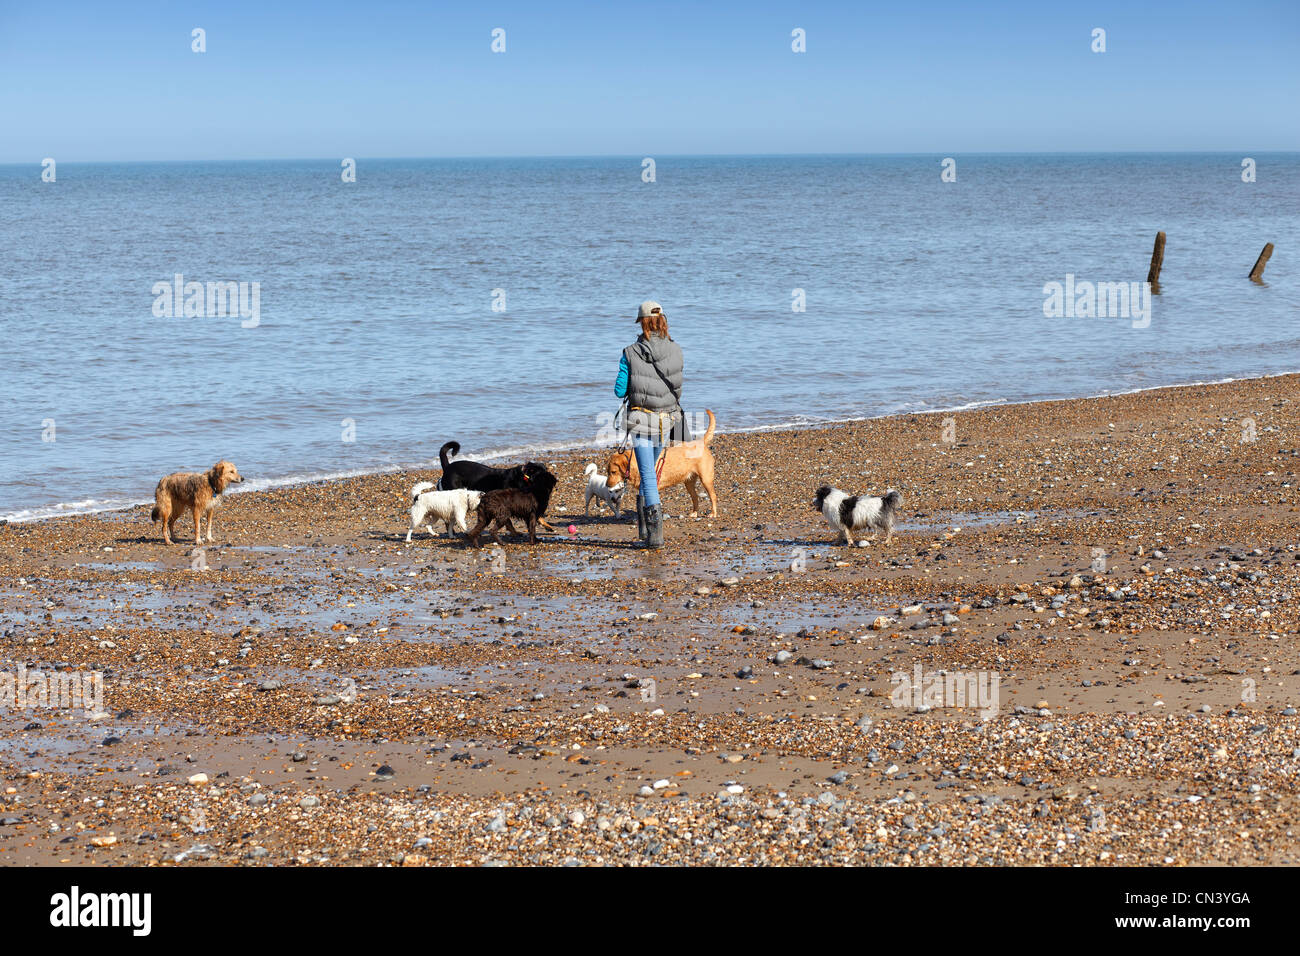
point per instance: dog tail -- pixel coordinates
(589, 470)
(420, 489)
(451, 446)
(708, 435)
(155, 514)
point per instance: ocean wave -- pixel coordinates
(66, 508)
(524, 452)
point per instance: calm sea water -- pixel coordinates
(376, 300)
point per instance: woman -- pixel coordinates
(650, 378)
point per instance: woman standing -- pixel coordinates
(650, 378)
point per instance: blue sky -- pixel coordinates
(86, 81)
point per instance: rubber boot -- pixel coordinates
(640, 518)
(654, 527)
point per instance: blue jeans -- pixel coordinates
(647, 453)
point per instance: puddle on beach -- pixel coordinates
(396, 681)
(430, 594)
(61, 738)
(944, 520)
(415, 610)
(122, 566)
(576, 559)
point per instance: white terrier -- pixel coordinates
(449, 507)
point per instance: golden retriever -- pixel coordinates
(200, 493)
(690, 462)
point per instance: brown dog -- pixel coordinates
(689, 462)
(496, 508)
(528, 502)
(199, 493)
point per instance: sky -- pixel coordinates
(119, 81)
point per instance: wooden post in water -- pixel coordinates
(1257, 273)
(1157, 259)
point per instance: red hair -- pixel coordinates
(655, 323)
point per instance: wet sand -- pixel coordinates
(324, 693)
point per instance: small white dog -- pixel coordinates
(449, 507)
(849, 513)
(597, 487)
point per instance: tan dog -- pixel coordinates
(200, 493)
(689, 463)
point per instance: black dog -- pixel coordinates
(477, 476)
(526, 503)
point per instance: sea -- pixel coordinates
(318, 318)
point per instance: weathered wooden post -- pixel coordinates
(1257, 273)
(1157, 259)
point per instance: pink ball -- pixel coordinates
(573, 529)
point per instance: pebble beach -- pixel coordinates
(310, 689)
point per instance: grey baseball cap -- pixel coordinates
(648, 307)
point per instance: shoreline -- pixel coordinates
(311, 690)
(518, 453)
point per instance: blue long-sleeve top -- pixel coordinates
(620, 383)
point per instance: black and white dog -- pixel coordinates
(530, 476)
(849, 513)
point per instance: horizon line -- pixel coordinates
(742, 155)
